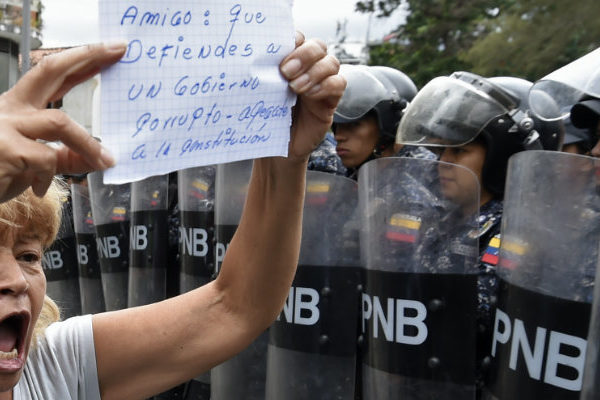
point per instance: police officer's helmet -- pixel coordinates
(381, 90)
(455, 110)
(583, 138)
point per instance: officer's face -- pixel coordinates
(22, 291)
(356, 141)
(457, 184)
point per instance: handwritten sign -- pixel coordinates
(199, 84)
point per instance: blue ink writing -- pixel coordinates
(139, 153)
(273, 49)
(151, 123)
(152, 92)
(136, 52)
(187, 86)
(227, 138)
(149, 18)
(259, 110)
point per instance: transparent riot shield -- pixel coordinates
(244, 375)
(148, 236)
(546, 268)
(110, 211)
(419, 244)
(90, 282)
(61, 269)
(196, 232)
(312, 345)
(196, 188)
(591, 377)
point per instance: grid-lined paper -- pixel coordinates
(199, 84)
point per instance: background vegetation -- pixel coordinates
(524, 38)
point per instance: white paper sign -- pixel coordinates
(199, 84)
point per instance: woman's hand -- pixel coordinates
(24, 119)
(313, 76)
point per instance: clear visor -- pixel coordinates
(447, 112)
(363, 92)
(566, 86)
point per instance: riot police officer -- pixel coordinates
(478, 123)
(585, 114)
(366, 120)
(577, 140)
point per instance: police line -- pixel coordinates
(386, 300)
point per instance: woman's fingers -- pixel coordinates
(55, 125)
(56, 74)
(298, 63)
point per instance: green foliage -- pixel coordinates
(534, 37)
(525, 38)
(433, 37)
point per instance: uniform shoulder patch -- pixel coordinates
(490, 256)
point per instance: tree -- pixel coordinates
(434, 36)
(524, 38)
(534, 37)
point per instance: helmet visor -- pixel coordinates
(447, 112)
(363, 92)
(566, 86)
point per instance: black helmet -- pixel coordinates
(455, 110)
(586, 113)
(583, 138)
(382, 90)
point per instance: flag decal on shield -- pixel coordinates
(403, 228)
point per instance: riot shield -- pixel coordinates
(244, 375)
(566, 86)
(312, 345)
(419, 246)
(591, 376)
(196, 245)
(196, 233)
(90, 283)
(60, 267)
(546, 268)
(148, 236)
(110, 211)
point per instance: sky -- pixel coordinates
(74, 22)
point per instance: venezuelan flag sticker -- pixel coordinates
(118, 214)
(403, 228)
(317, 193)
(199, 189)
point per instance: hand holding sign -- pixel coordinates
(198, 85)
(313, 76)
(24, 119)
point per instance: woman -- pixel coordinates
(367, 118)
(138, 352)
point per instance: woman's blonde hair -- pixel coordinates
(41, 217)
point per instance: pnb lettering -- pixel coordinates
(138, 237)
(394, 319)
(52, 260)
(513, 334)
(193, 241)
(108, 247)
(301, 306)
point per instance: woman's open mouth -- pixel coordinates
(13, 330)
